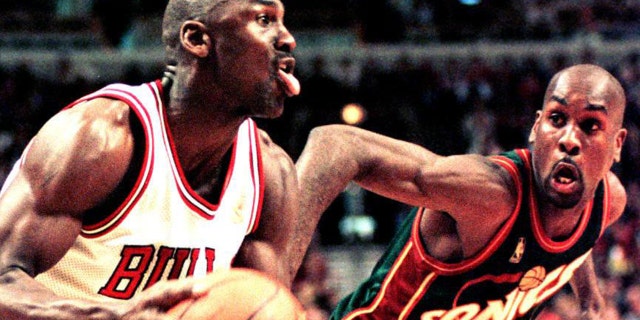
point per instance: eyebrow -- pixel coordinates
(590, 107)
(597, 107)
(559, 100)
(270, 3)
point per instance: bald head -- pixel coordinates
(176, 13)
(595, 82)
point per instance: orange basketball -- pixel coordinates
(241, 294)
(532, 278)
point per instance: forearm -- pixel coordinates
(337, 154)
(585, 286)
(325, 167)
(21, 297)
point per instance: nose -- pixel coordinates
(569, 141)
(286, 41)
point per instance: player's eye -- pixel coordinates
(590, 126)
(264, 20)
(557, 119)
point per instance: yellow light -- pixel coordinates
(353, 114)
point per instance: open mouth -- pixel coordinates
(285, 74)
(565, 173)
(565, 176)
(287, 65)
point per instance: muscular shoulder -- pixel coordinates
(268, 248)
(80, 154)
(278, 165)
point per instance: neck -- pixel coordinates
(202, 126)
(560, 223)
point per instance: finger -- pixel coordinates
(147, 315)
(164, 295)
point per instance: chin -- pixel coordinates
(270, 104)
(563, 201)
(270, 112)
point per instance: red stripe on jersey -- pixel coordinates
(404, 266)
(191, 198)
(606, 206)
(116, 217)
(468, 264)
(541, 236)
(503, 278)
(256, 160)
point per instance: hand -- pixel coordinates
(154, 302)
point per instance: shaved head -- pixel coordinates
(596, 80)
(176, 13)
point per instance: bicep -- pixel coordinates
(65, 171)
(402, 171)
(79, 156)
(30, 240)
(459, 184)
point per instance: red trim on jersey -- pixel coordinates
(502, 278)
(385, 284)
(256, 212)
(192, 199)
(606, 206)
(116, 217)
(546, 242)
(158, 86)
(417, 295)
(470, 263)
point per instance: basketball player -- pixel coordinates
(490, 237)
(133, 185)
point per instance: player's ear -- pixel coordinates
(620, 137)
(194, 38)
(532, 134)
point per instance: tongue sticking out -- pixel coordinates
(292, 84)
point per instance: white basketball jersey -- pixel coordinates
(163, 230)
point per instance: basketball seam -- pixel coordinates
(266, 301)
(220, 283)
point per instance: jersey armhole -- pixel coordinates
(110, 204)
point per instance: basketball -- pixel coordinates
(241, 294)
(532, 278)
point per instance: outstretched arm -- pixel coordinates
(334, 155)
(465, 186)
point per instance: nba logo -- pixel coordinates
(519, 252)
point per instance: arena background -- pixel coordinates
(454, 76)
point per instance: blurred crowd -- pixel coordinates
(110, 22)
